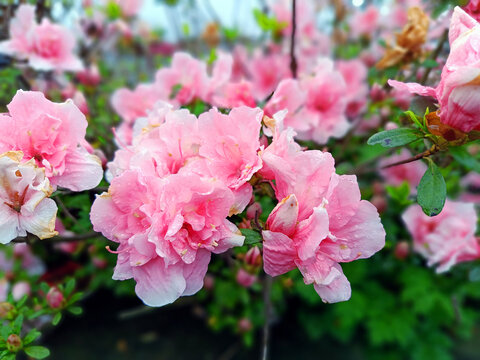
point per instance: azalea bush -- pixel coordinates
(327, 167)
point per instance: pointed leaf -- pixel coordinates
(395, 137)
(432, 190)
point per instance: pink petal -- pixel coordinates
(278, 253)
(283, 218)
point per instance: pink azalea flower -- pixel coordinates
(54, 136)
(316, 104)
(457, 91)
(235, 95)
(354, 73)
(47, 46)
(446, 239)
(266, 72)
(473, 9)
(396, 175)
(167, 228)
(24, 203)
(184, 81)
(319, 222)
(365, 22)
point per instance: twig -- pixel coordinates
(435, 54)
(420, 156)
(65, 210)
(267, 306)
(58, 239)
(293, 60)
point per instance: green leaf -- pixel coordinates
(432, 190)
(37, 352)
(251, 236)
(399, 193)
(10, 357)
(17, 324)
(69, 287)
(395, 137)
(76, 310)
(33, 335)
(430, 63)
(5, 331)
(57, 318)
(461, 155)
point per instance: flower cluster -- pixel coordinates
(173, 189)
(46, 46)
(43, 146)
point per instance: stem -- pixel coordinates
(267, 306)
(435, 54)
(420, 156)
(58, 239)
(293, 60)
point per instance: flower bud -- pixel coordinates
(253, 257)
(245, 279)
(379, 202)
(7, 311)
(253, 209)
(55, 298)
(14, 343)
(244, 325)
(208, 282)
(402, 249)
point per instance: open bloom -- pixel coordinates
(446, 239)
(167, 229)
(319, 222)
(457, 92)
(47, 46)
(54, 136)
(24, 203)
(316, 104)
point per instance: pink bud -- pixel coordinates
(55, 298)
(208, 282)
(379, 202)
(245, 279)
(244, 325)
(402, 249)
(390, 126)
(81, 102)
(99, 262)
(377, 93)
(253, 209)
(90, 76)
(253, 257)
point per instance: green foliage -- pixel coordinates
(432, 190)
(395, 137)
(251, 236)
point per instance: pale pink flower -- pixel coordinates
(396, 175)
(446, 239)
(53, 135)
(319, 222)
(316, 104)
(47, 46)
(365, 22)
(167, 228)
(266, 72)
(244, 278)
(354, 73)
(184, 81)
(24, 203)
(458, 88)
(235, 95)
(130, 7)
(20, 289)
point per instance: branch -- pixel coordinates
(420, 156)
(435, 54)
(57, 239)
(293, 60)
(267, 306)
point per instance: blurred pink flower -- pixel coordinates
(354, 73)
(365, 22)
(473, 9)
(396, 175)
(20, 289)
(244, 278)
(446, 239)
(47, 46)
